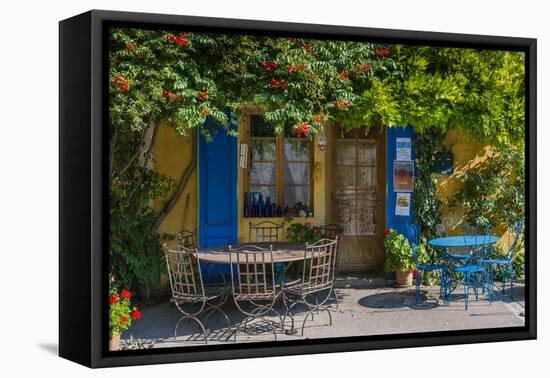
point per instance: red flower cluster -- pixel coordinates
(203, 95)
(171, 95)
(113, 298)
(302, 128)
(387, 232)
(269, 66)
(342, 105)
(294, 68)
(344, 75)
(130, 47)
(136, 314)
(123, 84)
(317, 119)
(181, 40)
(126, 294)
(123, 319)
(382, 52)
(278, 83)
(306, 46)
(362, 68)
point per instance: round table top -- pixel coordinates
(463, 241)
(282, 252)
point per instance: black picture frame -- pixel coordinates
(83, 210)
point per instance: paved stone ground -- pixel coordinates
(364, 308)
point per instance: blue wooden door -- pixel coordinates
(217, 189)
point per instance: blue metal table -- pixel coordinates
(463, 241)
(473, 243)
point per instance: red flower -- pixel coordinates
(123, 319)
(387, 232)
(113, 298)
(125, 294)
(136, 314)
(292, 68)
(382, 52)
(171, 95)
(123, 88)
(317, 119)
(203, 95)
(179, 40)
(344, 75)
(165, 93)
(274, 83)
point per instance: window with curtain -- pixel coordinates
(280, 165)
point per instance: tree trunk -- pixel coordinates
(179, 189)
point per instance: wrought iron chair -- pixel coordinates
(317, 277)
(265, 232)
(414, 237)
(474, 271)
(187, 239)
(253, 285)
(187, 288)
(332, 231)
(514, 235)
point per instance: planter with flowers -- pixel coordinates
(399, 258)
(303, 233)
(121, 315)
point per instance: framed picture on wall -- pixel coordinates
(227, 185)
(403, 176)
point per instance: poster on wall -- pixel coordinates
(403, 149)
(403, 176)
(403, 204)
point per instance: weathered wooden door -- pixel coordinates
(358, 196)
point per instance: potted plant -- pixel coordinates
(303, 233)
(399, 258)
(121, 314)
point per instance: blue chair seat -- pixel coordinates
(496, 261)
(431, 267)
(461, 256)
(470, 269)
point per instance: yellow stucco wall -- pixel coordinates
(172, 153)
(467, 153)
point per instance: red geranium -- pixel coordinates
(387, 232)
(113, 298)
(203, 95)
(123, 319)
(136, 314)
(125, 294)
(382, 52)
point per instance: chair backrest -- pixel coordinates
(248, 247)
(184, 272)
(319, 260)
(187, 239)
(444, 228)
(515, 234)
(254, 272)
(486, 250)
(265, 232)
(330, 231)
(414, 240)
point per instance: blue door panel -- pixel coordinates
(217, 194)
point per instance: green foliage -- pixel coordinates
(303, 233)
(493, 192)
(427, 206)
(479, 91)
(399, 254)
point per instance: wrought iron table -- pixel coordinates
(283, 252)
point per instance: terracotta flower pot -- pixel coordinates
(114, 342)
(403, 279)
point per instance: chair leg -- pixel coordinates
(511, 270)
(418, 278)
(466, 289)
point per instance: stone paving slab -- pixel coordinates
(361, 311)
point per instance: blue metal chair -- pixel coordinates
(414, 239)
(444, 230)
(474, 270)
(514, 235)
